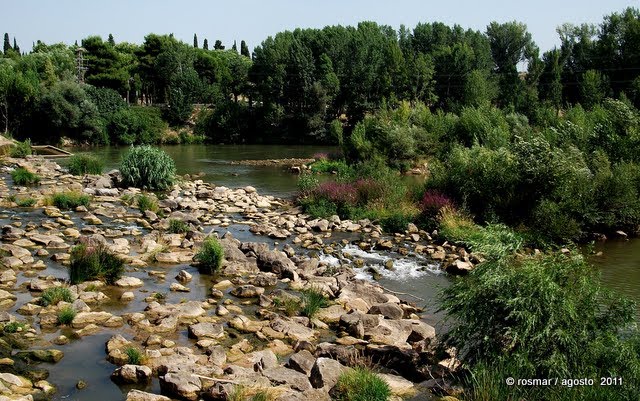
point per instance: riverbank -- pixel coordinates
(201, 335)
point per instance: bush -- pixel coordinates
(136, 125)
(94, 262)
(146, 202)
(330, 166)
(69, 200)
(544, 316)
(178, 226)
(312, 300)
(85, 164)
(148, 168)
(210, 255)
(51, 296)
(134, 356)
(307, 182)
(21, 149)
(14, 327)
(25, 202)
(361, 384)
(66, 315)
(22, 176)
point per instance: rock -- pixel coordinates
(265, 280)
(41, 355)
(137, 395)
(398, 385)
(7, 298)
(206, 330)
(302, 361)
(247, 291)
(179, 288)
(459, 267)
(127, 296)
(249, 189)
(388, 310)
(280, 375)
(181, 385)
(129, 282)
(292, 329)
(325, 373)
(83, 319)
(184, 276)
(128, 374)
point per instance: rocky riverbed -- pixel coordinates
(201, 336)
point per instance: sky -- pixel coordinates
(66, 21)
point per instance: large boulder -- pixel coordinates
(129, 374)
(137, 395)
(283, 376)
(325, 373)
(181, 385)
(206, 330)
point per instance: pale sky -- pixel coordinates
(254, 20)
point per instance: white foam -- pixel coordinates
(330, 260)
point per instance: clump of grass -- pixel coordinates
(312, 300)
(330, 166)
(147, 167)
(160, 296)
(127, 199)
(91, 288)
(25, 202)
(290, 305)
(21, 149)
(210, 255)
(85, 164)
(361, 384)
(66, 315)
(69, 200)
(22, 176)
(239, 393)
(14, 327)
(178, 226)
(146, 202)
(94, 262)
(262, 395)
(134, 355)
(51, 296)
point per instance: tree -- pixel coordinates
(244, 49)
(550, 85)
(111, 41)
(107, 68)
(15, 46)
(234, 47)
(593, 88)
(7, 45)
(205, 44)
(195, 41)
(218, 45)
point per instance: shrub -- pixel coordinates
(312, 300)
(146, 202)
(66, 315)
(94, 262)
(433, 201)
(69, 200)
(178, 226)
(51, 296)
(134, 356)
(330, 166)
(361, 384)
(307, 182)
(397, 222)
(544, 316)
(21, 149)
(136, 125)
(148, 168)
(25, 202)
(319, 208)
(22, 176)
(85, 164)
(210, 255)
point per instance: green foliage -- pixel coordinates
(53, 295)
(330, 166)
(136, 125)
(178, 226)
(25, 202)
(134, 356)
(209, 256)
(146, 202)
(66, 315)
(21, 149)
(22, 176)
(312, 300)
(361, 384)
(307, 182)
(85, 164)
(94, 262)
(396, 222)
(148, 168)
(69, 200)
(14, 327)
(542, 316)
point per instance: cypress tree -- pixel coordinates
(195, 41)
(218, 45)
(15, 46)
(234, 47)
(7, 44)
(205, 44)
(244, 49)
(111, 41)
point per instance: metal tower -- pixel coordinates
(81, 64)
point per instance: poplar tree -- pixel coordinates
(195, 41)
(244, 49)
(7, 44)
(15, 46)
(234, 47)
(205, 44)
(111, 41)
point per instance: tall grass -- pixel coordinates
(22, 176)
(147, 167)
(94, 262)
(69, 200)
(361, 384)
(51, 296)
(312, 300)
(209, 256)
(66, 315)
(21, 149)
(146, 202)
(85, 164)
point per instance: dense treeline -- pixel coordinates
(296, 84)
